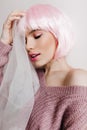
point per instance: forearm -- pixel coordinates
(4, 51)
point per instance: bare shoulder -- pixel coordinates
(77, 77)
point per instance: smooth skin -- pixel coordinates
(57, 71)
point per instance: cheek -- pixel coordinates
(47, 47)
(43, 45)
(49, 51)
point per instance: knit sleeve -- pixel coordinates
(4, 51)
(75, 117)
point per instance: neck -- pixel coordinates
(57, 65)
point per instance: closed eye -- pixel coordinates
(37, 37)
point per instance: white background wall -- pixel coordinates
(75, 9)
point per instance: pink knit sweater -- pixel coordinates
(55, 108)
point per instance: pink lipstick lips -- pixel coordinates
(34, 56)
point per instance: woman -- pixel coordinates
(61, 101)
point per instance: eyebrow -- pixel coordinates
(33, 31)
(27, 32)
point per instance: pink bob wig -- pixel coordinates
(50, 18)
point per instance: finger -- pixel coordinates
(13, 17)
(17, 13)
(9, 22)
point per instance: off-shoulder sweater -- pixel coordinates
(55, 108)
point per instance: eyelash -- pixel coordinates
(37, 37)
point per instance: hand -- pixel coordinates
(6, 35)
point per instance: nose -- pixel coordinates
(30, 44)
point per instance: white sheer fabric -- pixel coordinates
(19, 85)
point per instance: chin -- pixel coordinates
(39, 66)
